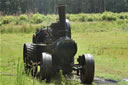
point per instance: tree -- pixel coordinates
(73, 6)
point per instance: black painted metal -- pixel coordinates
(87, 71)
(46, 66)
(61, 11)
(58, 50)
(28, 55)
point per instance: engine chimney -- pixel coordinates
(61, 11)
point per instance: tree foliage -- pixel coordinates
(73, 6)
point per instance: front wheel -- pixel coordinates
(88, 68)
(46, 67)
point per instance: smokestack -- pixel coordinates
(61, 11)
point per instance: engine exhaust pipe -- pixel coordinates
(62, 15)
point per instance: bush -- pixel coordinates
(68, 17)
(23, 17)
(109, 16)
(0, 20)
(82, 18)
(38, 18)
(50, 18)
(123, 16)
(90, 19)
(0, 23)
(73, 17)
(7, 19)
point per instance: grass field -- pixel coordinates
(107, 41)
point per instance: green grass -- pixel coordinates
(110, 51)
(107, 41)
(109, 48)
(94, 22)
(11, 62)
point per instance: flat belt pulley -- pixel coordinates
(46, 66)
(88, 68)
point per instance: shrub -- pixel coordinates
(23, 17)
(38, 18)
(50, 18)
(123, 16)
(74, 17)
(82, 18)
(7, 19)
(68, 16)
(90, 19)
(0, 23)
(109, 16)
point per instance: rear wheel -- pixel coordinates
(28, 55)
(87, 71)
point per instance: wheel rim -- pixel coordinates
(87, 71)
(46, 66)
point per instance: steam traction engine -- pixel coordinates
(53, 49)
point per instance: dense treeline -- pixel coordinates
(73, 6)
